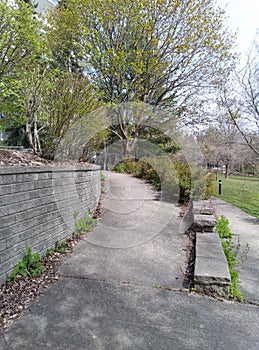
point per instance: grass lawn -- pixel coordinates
(241, 191)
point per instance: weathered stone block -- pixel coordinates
(204, 223)
(203, 207)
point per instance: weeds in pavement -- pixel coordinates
(29, 266)
(102, 178)
(231, 251)
(84, 224)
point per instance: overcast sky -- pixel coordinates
(243, 18)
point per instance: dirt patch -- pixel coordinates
(188, 281)
(10, 157)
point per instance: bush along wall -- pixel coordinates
(175, 179)
(38, 206)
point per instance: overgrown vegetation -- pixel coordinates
(231, 249)
(173, 178)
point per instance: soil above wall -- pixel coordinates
(18, 158)
(10, 157)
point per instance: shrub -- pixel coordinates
(175, 178)
(210, 187)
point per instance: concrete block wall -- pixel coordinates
(38, 205)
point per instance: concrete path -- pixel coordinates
(121, 288)
(137, 240)
(246, 227)
(78, 314)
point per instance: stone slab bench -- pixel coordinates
(211, 267)
(211, 272)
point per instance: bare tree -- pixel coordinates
(240, 99)
(221, 145)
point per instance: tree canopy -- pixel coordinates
(19, 35)
(138, 56)
(152, 52)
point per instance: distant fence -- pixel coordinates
(38, 206)
(18, 148)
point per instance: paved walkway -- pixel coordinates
(121, 288)
(246, 227)
(137, 240)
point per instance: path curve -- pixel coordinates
(138, 238)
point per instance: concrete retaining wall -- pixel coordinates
(37, 207)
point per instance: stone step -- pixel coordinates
(204, 223)
(203, 207)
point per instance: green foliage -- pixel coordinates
(20, 36)
(58, 248)
(102, 178)
(210, 188)
(40, 94)
(63, 40)
(173, 177)
(84, 224)
(120, 168)
(149, 53)
(21, 47)
(223, 229)
(50, 251)
(185, 180)
(136, 53)
(29, 266)
(231, 255)
(67, 97)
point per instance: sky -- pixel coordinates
(243, 19)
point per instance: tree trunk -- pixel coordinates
(226, 171)
(37, 145)
(129, 146)
(29, 135)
